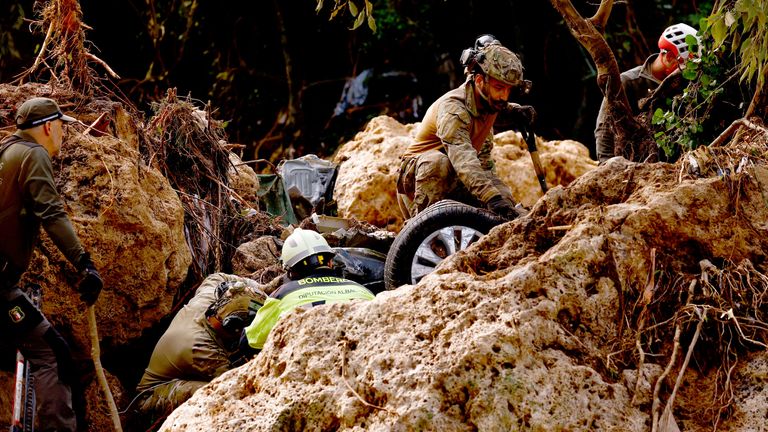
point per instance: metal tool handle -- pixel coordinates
(530, 139)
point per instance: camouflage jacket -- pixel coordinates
(189, 350)
(638, 83)
(457, 126)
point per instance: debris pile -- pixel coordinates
(543, 324)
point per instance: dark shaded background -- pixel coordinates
(231, 55)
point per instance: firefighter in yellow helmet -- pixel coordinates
(451, 155)
(312, 281)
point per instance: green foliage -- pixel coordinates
(745, 24)
(11, 22)
(360, 15)
(685, 122)
(735, 41)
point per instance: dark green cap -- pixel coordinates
(39, 110)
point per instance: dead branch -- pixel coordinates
(600, 19)
(736, 125)
(632, 139)
(103, 64)
(657, 387)
(671, 401)
(41, 54)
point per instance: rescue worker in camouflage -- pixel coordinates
(640, 81)
(200, 344)
(312, 281)
(451, 155)
(29, 200)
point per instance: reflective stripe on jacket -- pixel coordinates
(307, 292)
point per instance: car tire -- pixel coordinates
(432, 236)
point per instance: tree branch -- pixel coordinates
(632, 140)
(600, 19)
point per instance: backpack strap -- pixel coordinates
(13, 139)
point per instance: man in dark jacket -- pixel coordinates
(28, 199)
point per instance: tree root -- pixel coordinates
(657, 387)
(344, 378)
(96, 357)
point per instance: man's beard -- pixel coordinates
(496, 105)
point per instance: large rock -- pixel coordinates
(532, 328)
(131, 221)
(368, 167)
(365, 188)
(562, 161)
(128, 217)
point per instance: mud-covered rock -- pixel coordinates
(531, 328)
(368, 167)
(369, 163)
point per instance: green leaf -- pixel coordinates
(703, 24)
(745, 47)
(359, 21)
(689, 74)
(353, 10)
(736, 41)
(371, 23)
(658, 116)
(692, 43)
(751, 15)
(705, 80)
(719, 32)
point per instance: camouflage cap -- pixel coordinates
(502, 64)
(236, 299)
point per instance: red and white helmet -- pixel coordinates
(673, 39)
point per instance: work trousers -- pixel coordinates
(426, 179)
(26, 329)
(162, 399)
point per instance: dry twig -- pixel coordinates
(344, 378)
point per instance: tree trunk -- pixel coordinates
(632, 139)
(759, 104)
(293, 106)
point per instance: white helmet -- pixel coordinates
(302, 244)
(672, 39)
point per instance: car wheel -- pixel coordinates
(432, 236)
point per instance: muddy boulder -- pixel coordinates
(369, 164)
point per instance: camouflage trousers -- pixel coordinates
(426, 179)
(162, 399)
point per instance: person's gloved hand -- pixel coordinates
(505, 208)
(521, 115)
(91, 283)
(244, 352)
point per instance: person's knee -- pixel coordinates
(433, 164)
